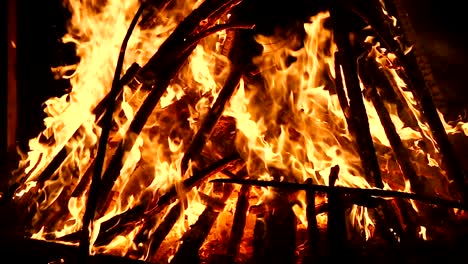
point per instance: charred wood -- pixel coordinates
(336, 224)
(292, 186)
(240, 218)
(357, 110)
(163, 229)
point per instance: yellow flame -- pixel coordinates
(422, 232)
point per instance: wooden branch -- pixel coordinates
(312, 225)
(369, 70)
(336, 224)
(357, 110)
(238, 224)
(292, 186)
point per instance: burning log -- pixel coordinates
(238, 225)
(194, 238)
(312, 225)
(211, 120)
(336, 225)
(357, 111)
(401, 153)
(102, 145)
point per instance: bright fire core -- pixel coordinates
(288, 127)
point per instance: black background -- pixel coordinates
(439, 25)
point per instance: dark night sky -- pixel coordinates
(41, 24)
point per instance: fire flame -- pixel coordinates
(290, 125)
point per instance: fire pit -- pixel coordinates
(202, 131)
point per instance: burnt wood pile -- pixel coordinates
(275, 234)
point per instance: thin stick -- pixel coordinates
(349, 191)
